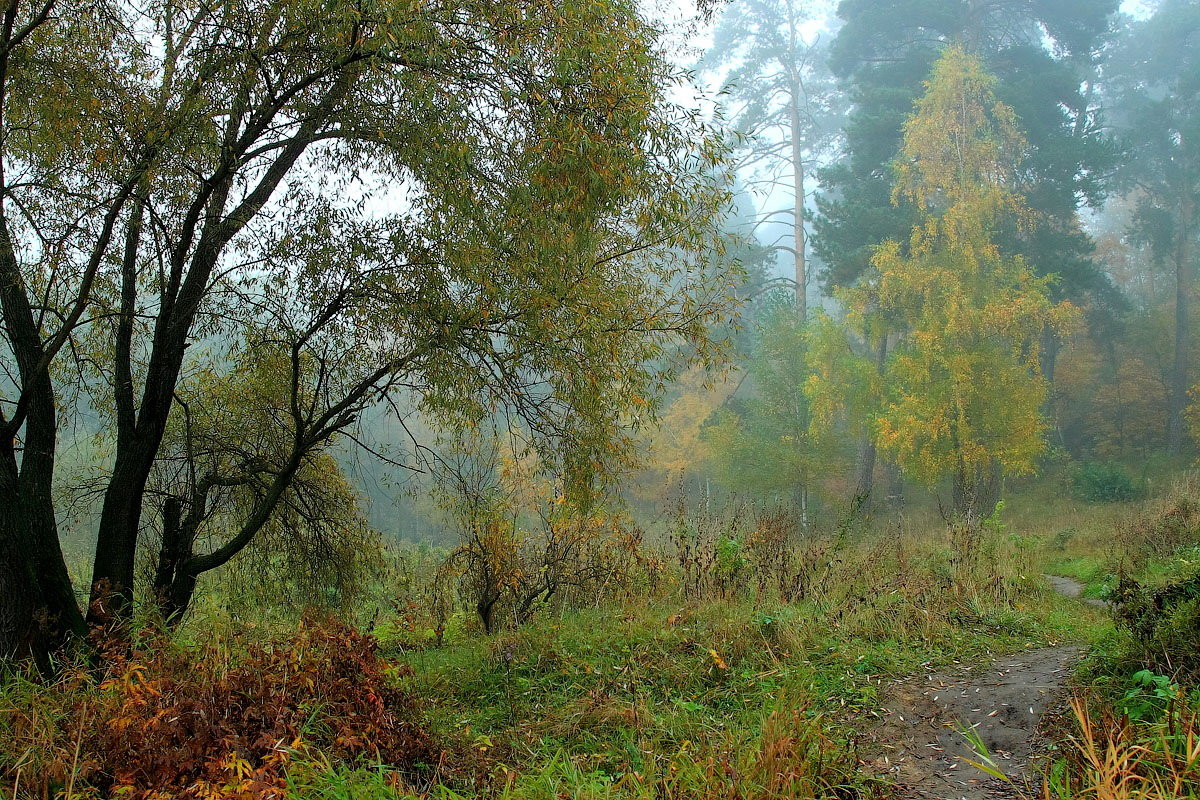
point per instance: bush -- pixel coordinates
(1163, 623)
(167, 722)
(1103, 483)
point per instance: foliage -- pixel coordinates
(1168, 529)
(528, 541)
(1156, 93)
(1098, 482)
(963, 389)
(763, 444)
(679, 445)
(227, 720)
(748, 551)
(1148, 696)
(1111, 757)
(1109, 396)
(1044, 56)
(1164, 622)
(478, 207)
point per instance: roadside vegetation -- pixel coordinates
(719, 672)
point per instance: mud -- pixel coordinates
(919, 736)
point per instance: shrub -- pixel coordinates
(168, 722)
(1097, 482)
(1163, 622)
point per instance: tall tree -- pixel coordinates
(490, 205)
(963, 392)
(762, 443)
(1154, 77)
(1043, 55)
(785, 102)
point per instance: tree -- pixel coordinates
(963, 392)
(1043, 54)
(787, 104)
(676, 447)
(524, 541)
(489, 205)
(1155, 87)
(764, 443)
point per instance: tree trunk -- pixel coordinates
(864, 483)
(976, 491)
(798, 237)
(1048, 360)
(138, 444)
(36, 596)
(116, 540)
(1178, 395)
(20, 592)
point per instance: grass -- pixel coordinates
(1110, 757)
(625, 693)
(707, 697)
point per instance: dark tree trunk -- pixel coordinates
(976, 491)
(864, 484)
(20, 592)
(1048, 360)
(174, 584)
(35, 593)
(138, 442)
(116, 540)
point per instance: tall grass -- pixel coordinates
(1111, 757)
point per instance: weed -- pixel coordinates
(1111, 757)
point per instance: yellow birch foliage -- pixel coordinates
(675, 447)
(963, 390)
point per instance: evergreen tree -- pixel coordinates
(1155, 93)
(1043, 55)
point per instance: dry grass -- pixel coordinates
(1112, 758)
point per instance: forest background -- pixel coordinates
(453, 320)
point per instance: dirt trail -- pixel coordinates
(919, 739)
(1073, 588)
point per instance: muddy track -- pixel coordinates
(919, 739)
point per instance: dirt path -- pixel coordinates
(919, 738)
(1073, 588)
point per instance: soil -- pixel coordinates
(919, 739)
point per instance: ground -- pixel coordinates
(921, 736)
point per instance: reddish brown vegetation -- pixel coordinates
(168, 722)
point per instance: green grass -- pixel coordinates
(623, 691)
(721, 698)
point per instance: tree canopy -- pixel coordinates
(962, 388)
(490, 206)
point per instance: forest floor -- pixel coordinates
(921, 741)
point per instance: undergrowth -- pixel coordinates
(734, 674)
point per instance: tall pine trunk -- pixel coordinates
(798, 239)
